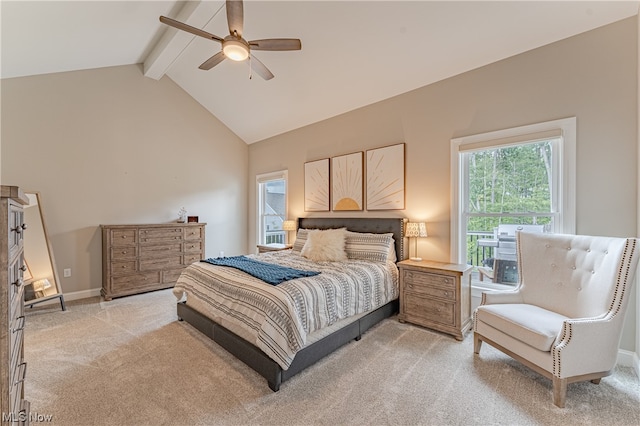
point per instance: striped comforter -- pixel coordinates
(277, 319)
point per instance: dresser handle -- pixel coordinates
(124, 252)
(124, 266)
(21, 318)
(124, 236)
(18, 282)
(446, 294)
(23, 268)
(22, 368)
(20, 228)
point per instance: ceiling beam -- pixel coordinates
(173, 42)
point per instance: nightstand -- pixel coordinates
(436, 295)
(264, 248)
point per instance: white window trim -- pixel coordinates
(567, 180)
(264, 178)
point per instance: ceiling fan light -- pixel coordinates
(235, 50)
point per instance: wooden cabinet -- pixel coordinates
(436, 295)
(13, 407)
(139, 258)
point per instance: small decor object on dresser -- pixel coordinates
(182, 215)
(436, 295)
(192, 219)
(139, 258)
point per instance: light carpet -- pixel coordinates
(130, 362)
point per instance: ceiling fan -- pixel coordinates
(234, 46)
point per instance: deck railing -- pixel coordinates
(475, 253)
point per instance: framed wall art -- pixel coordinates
(316, 186)
(346, 182)
(385, 178)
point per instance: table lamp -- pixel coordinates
(416, 230)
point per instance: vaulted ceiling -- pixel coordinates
(354, 53)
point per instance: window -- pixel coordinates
(272, 207)
(505, 181)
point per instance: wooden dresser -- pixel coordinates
(140, 258)
(436, 295)
(13, 407)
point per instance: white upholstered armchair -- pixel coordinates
(564, 320)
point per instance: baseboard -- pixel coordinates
(75, 295)
(84, 294)
(629, 359)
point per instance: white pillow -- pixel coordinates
(368, 246)
(326, 245)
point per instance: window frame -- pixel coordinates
(564, 168)
(263, 179)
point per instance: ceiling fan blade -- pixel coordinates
(188, 28)
(260, 68)
(213, 61)
(235, 17)
(276, 44)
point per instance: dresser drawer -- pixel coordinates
(123, 267)
(123, 237)
(418, 306)
(192, 258)
(194, 233)
(150, 264)
(160, 250)
(171, 275)
(156, 235)
(190, 246)
(16, 229)
(124, 252)
(131, 282)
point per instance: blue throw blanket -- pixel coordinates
(267, 272)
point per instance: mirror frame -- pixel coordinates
(54, 269)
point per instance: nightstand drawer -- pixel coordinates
(419, 306)
(432, 284)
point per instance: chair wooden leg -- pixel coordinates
(477, 343)
(559, 391)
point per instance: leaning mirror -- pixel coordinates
(40, 275)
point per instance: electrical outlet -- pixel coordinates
(67, 272)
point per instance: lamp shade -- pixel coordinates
(416, 229)
(289, 225)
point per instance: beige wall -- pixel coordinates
(109, 146)
(592, 76)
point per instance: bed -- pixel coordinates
(285, 350)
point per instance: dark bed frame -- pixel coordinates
(258, 360)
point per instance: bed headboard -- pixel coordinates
(363, 224)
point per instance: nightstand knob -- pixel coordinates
(446, 294)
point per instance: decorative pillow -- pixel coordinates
(325, 245)
(301, 239)
(374, 247)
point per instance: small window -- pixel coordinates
(272, 207)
